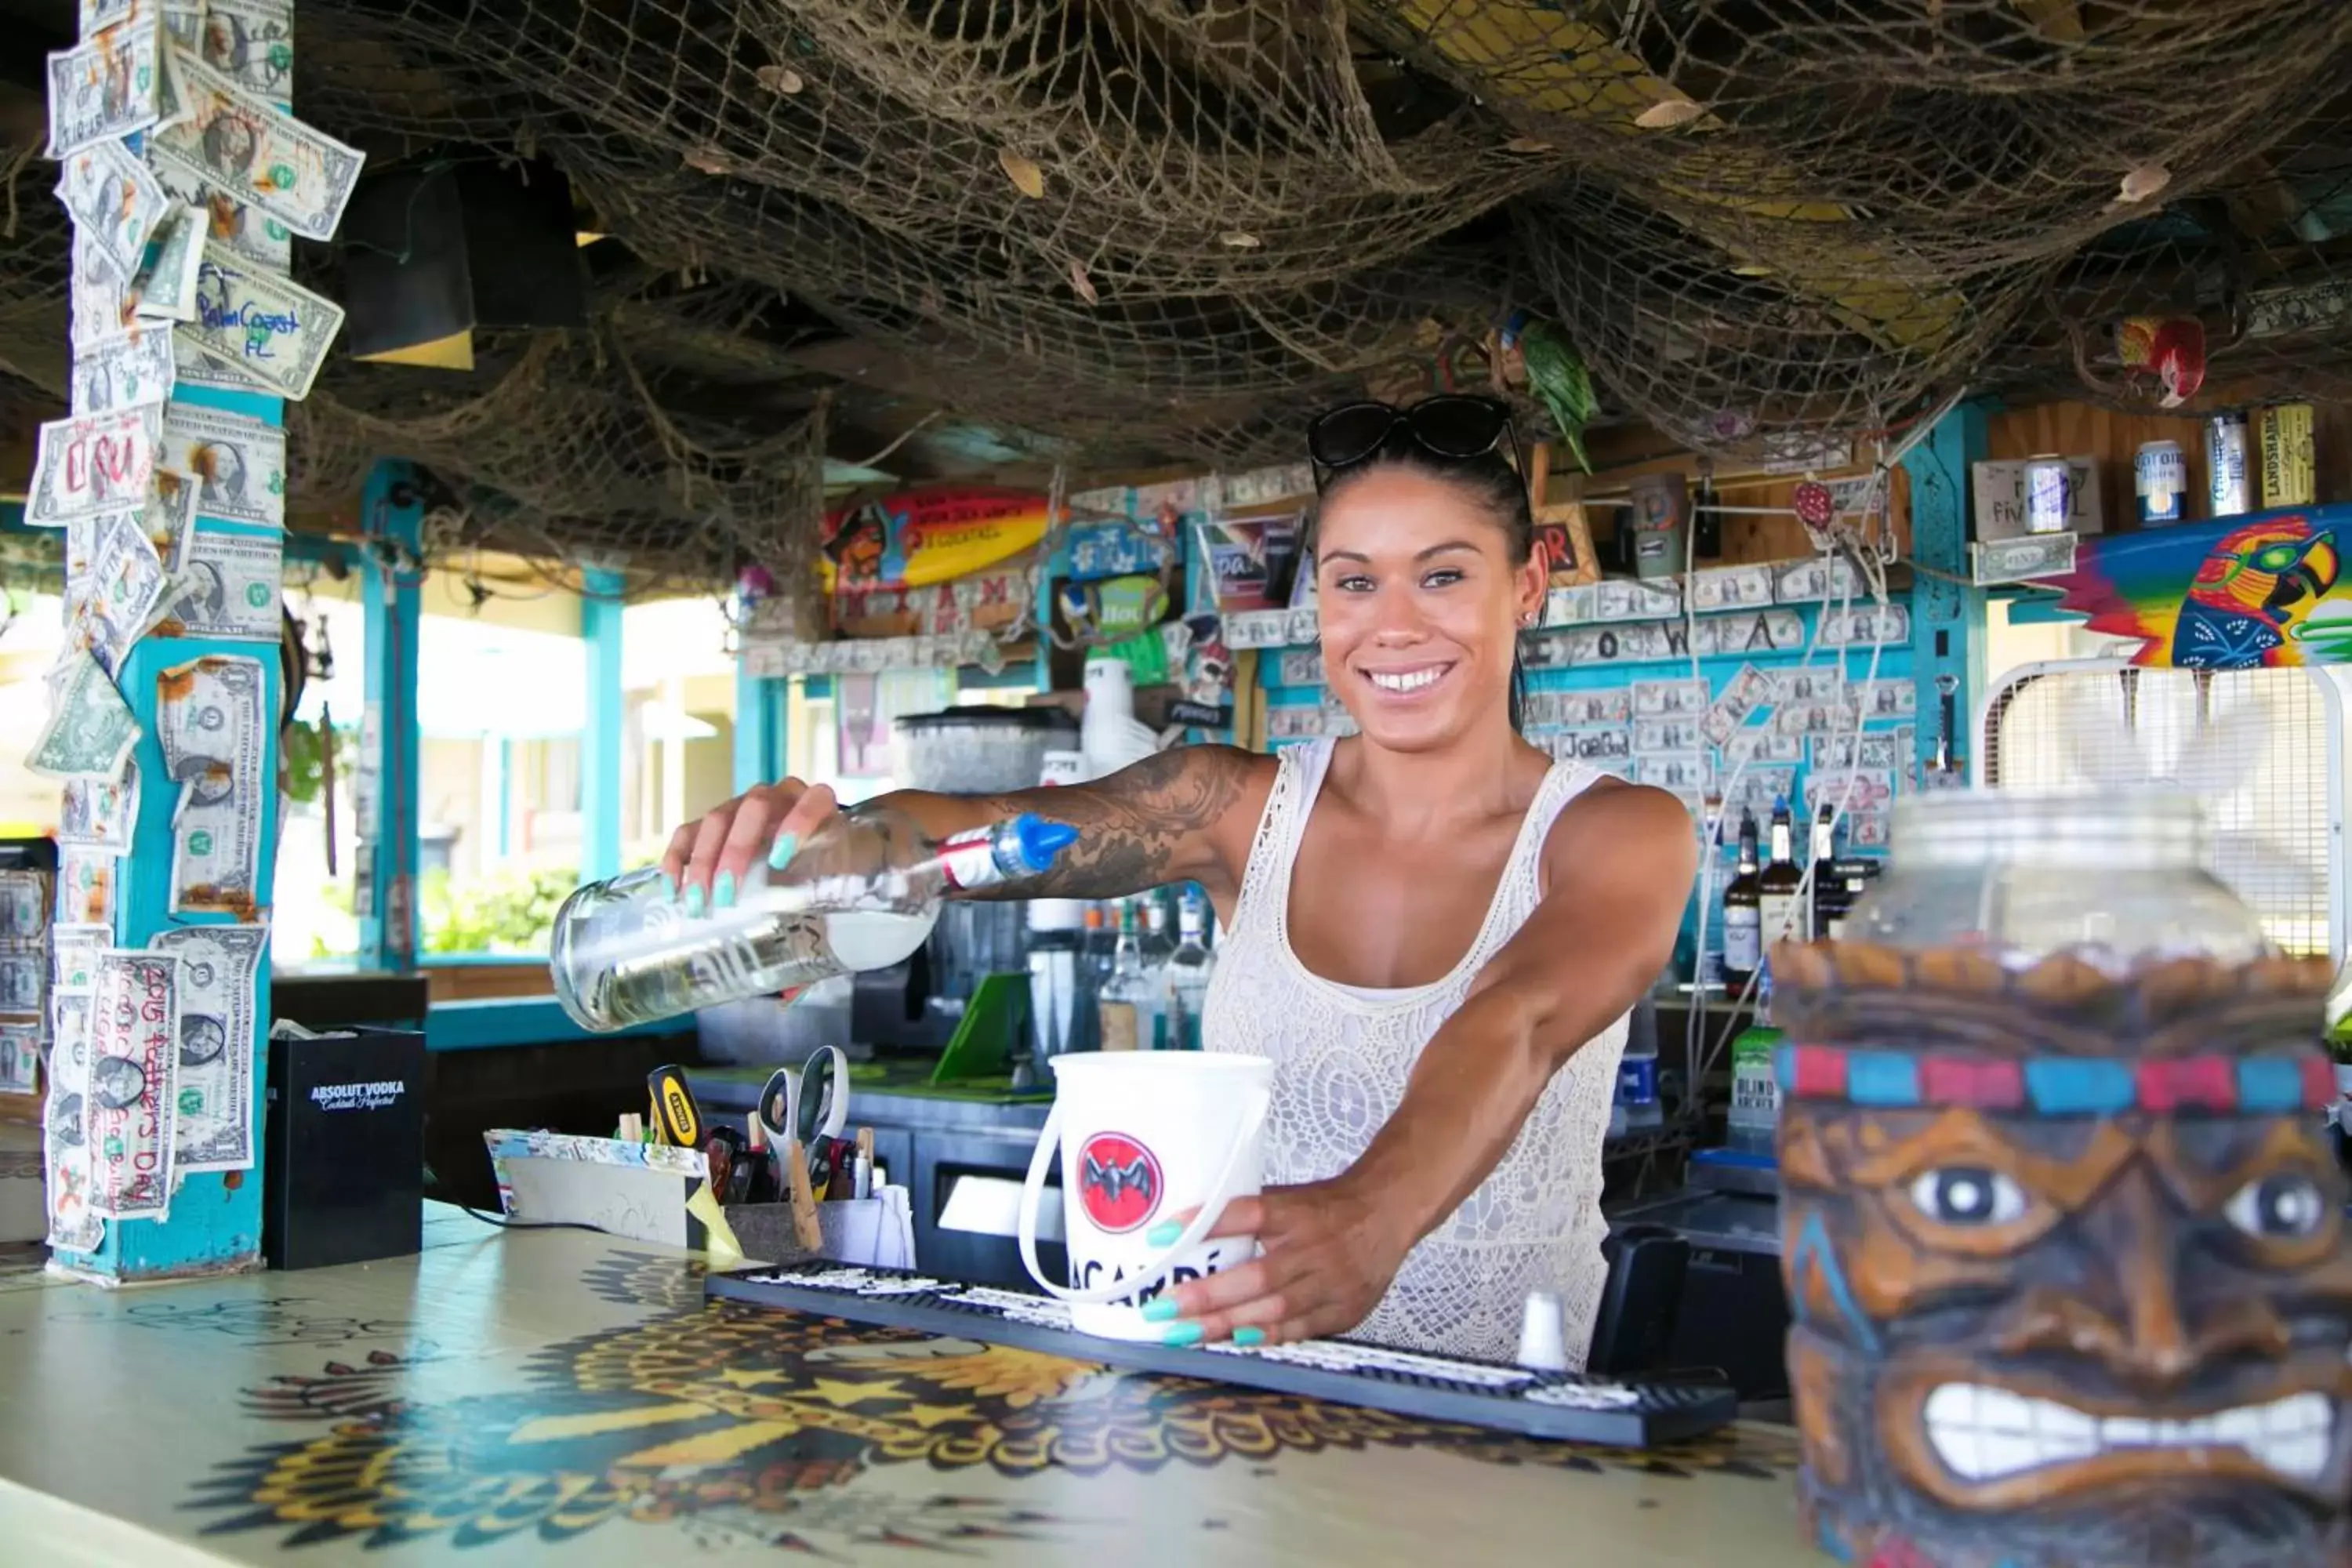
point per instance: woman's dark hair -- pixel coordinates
(1489, 482)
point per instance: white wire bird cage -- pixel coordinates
(2264, 749)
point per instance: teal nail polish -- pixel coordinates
(779, 854)
(669, 887)
(1182, 1334)
(1164, 1233)
(722, 891)
(1249, 1336)
(693, 899)
(1159, 1310)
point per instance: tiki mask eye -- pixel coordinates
(1968, 1195)
(2279, 1207)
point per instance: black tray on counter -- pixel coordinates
(1630, 1415)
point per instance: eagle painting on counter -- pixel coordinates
(2234, 594)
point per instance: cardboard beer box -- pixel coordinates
(1997, 498)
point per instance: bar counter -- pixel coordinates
(561, 1397)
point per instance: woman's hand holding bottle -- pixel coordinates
(707, 858)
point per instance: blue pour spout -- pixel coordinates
(1040, 840)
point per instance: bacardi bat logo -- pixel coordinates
(1118, 1182)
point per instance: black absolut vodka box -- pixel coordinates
(344, 1151)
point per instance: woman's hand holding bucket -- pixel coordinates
(1329, 1250)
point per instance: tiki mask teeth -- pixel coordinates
(1982, 1434)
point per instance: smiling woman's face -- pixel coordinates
(1421, 605)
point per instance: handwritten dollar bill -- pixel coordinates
(73, 1224)
(252, 42)
(86, 886)
(250, 232)
(134, 1057)
(90, 731)
(238, 464)
(1749, 690)
(101, 462)
(113, 197)
(268, 326)
(133, 370)
(259, 155)
(210, 722)
(219, 969)
(106, 89)
(24, 904)
(20, 1058)
(74, 951)
(166, 289)
(228, 587)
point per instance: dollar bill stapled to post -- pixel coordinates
(107, 87)
(258, 153)
(90, 730)
(134, 1054)
(133, 369)
(210, 722)
(238, 464)
(220, 968)
(115, 201)
(265, 326)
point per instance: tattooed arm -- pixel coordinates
(1183, 815)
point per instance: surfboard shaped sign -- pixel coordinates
(918, 538)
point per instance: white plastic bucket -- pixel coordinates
(1145, 1136)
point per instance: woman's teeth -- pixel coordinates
(1411, 680)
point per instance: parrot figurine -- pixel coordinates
(2168, 350)
(1557, 376)
(2171, 348)
(2228, 596)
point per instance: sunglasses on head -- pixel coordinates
(1451, 426)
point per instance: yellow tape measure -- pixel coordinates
(676, 1120)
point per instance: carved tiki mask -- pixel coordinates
(2067, 1260)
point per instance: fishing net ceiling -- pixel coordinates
(1120, 232)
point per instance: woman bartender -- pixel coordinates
(1433, 929)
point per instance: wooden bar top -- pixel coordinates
(561, 1397)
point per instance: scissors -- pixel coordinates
(810, 1105)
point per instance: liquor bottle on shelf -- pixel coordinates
(1189, 970)
(1782, 914)
(1755, 1118)
(1743, 914)
(1157, 940)
(1102, 940)
(1123, 1005)
(1829, 895)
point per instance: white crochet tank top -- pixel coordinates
(1341, 1058)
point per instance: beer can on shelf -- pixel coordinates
(2161, 477)
(2227, 492)
(2049, 495)
(2284, 436)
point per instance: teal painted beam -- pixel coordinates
(760, 726)
(1947, 615)
(392, 514)
(214, 1223)
(600, 743)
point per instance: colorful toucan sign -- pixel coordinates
(2244, 593)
